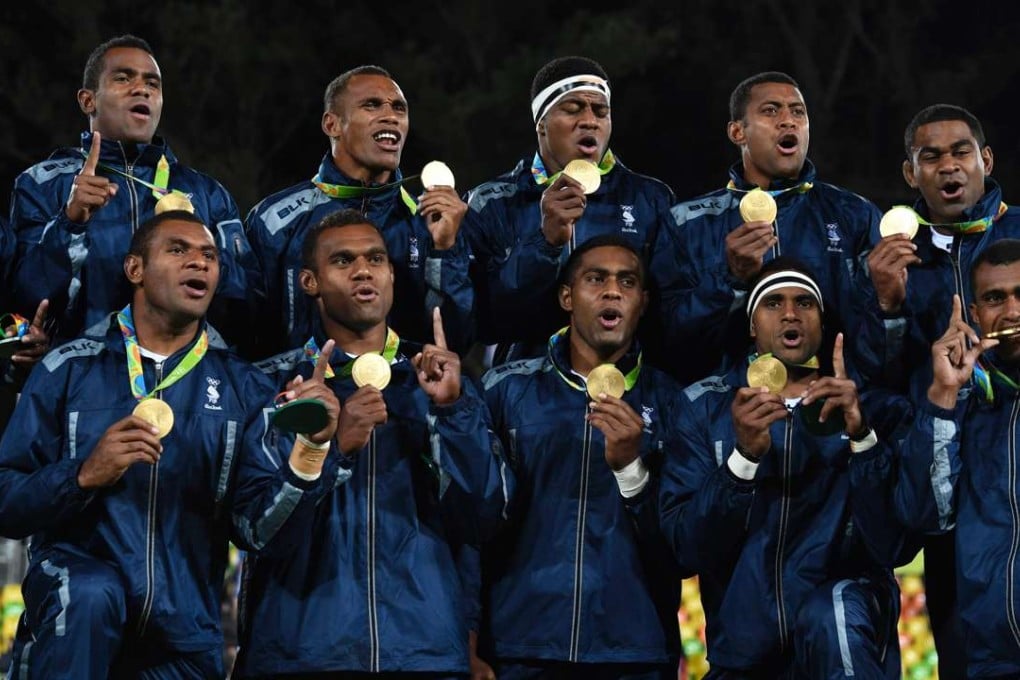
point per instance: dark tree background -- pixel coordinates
(244, 80)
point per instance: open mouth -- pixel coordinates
(610, 319)
(788, 144)
(388, 139)
(141, 110)
(589, 145)
(951, 191)
(791, 338)
(365, 294)
(196, 288)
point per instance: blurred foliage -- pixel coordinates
(244, 81)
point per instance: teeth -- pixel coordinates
(388, 136)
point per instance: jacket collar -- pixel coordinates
(807, 174)
(120, 154)
(330, 174)
(108, 332)
(558, 352)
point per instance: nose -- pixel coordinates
(786, 119)
(612, 289)
(140, 87)
(790, 309)
(1012, 311)
(198, 261)
(362, 272)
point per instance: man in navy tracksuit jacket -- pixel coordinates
(129, 530)
(959, 461)
(789, 526)
(366, 120)
(523, 225)
(905, 296)
(581, 584)
(710, 254)
(73, 214)
(366, 580)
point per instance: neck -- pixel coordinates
(160, 332)
(584, 357)
(798, 379)
(353, 340)
(551, 167)
(752, 175)
(359, 173)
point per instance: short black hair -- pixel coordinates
(741, 94)
(604, 241)
(340, 218)
(96, 62)
(141, 240)
(1002, 252)
(937, 113)
(564, 67)
(339, 84)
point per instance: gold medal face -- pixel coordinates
(767, 372)
(585, 173)
(371, 369)
(898, 220)
(157, 413)
(174, 201)
(437, 174)
(758, 206)
(1004, 333)
(606, 379)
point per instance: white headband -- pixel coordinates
(548, 97)
(783, 279)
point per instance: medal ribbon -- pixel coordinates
(971, 227)
(349, 191)
(985, 375)
(389, 352)
(161, 180)
(801, 188)
(134, 357)
(629, 379)
(541, 175)
(20, 323)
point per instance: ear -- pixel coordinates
(644, 302)
(331, 124)
(540, 128)
(393, 277)
(87, 101)
(908, 174)
(735, 131)
(986, 158)
(754, 331)
(308, 282)
(134, 269)
(566, 299)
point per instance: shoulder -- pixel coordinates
(281, 366)
(705, 206)
(79, 349)
(712, 388)
(647, 186)
(514, 371)
(500, 188)
(283, 209)
(60, 164)
(844, 197)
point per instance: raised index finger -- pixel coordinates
(838, 367)
(92, 160)
(437, 328)
(957, 313)
(40, 314)
(323, 362)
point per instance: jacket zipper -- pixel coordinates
(129, 168)
(1014, 511)
(784, 516)
(373, 616)
(582, 506)
(954, 257)
(150, 533)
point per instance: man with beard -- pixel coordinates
(367, 121)
(958, 462)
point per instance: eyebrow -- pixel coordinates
(178, 241)
(374, 250)
(133, 72)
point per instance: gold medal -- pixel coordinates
(606, 379)
(1004, 333)
(174, 201)
(437, 174)
(767, 372)
(898, 220)
(758, 206)
(157, 413)
(371, 369)
(585, 173)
